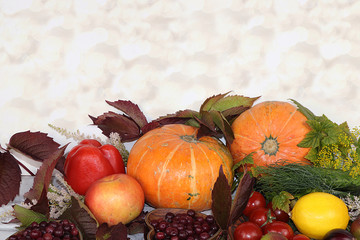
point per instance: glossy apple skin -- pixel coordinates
(115, 198)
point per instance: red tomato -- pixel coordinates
(300, 237)
(279, 227)
(261, 216)
(280, 214)
(247, 231)
(256, 200)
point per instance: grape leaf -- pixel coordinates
(27, 216)
(116, 232)
(44, 173)
(112, 122)
(229, 102)
(36, 145)
(132, 110)
(221, 200)
(10, 178)
(81, 216)
(282, 201)
(209, 103)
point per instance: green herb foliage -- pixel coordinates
(299, 180)
(332, 145)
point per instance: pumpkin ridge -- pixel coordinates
(220, 155)
(257, 124)
(193, 172)
(140, 161)
(244, 137)
(286, 123)
(163, 172)
(201, 146)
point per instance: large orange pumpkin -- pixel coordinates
(175, 169)
(271, 131)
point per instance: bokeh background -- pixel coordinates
(60, 60)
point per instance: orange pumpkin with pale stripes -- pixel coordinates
(177, 170)
(271, 131)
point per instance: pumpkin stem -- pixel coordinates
(189, 138)
(270, 146)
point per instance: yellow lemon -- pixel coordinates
(317, 213)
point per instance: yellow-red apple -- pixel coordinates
(115, 198)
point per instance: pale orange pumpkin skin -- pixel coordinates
(175, 169)
(271, 130)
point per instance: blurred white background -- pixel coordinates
(60, 60)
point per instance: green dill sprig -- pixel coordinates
(299, 180)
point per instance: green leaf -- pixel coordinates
(307, 113)
(27, 216)
(210, 101)
(234, 101)
(312, 154)
(282, 201)
(312, 139)
(246, 160)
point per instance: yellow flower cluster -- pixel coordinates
(341, 155)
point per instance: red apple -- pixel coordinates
(115, 198)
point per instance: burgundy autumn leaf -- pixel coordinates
(42, 204)
(81, 216)
(241, 198)
(116, 232)
(44, 174)
(37, 145)
(112, 122)
(221, 200)
(10, 178)
(132, 110)
(137, 225)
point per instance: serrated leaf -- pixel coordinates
(210, 101)
(36, 145)
(312, 155)
(112, 122)
(305, 111)
(312, 139)
(116, 232)
(44, 173)
(282, 201)
(230, 102)
(27, 216)
(233, 112)
(81, 216)
(221, 200)
(132, 110)
(241, 198)
(10, 178)
(248, 159)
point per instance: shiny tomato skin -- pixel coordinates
(256, 200)
(280, 214)
(279, 227)
(300, 237)
(247, 231)
(260, 216)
